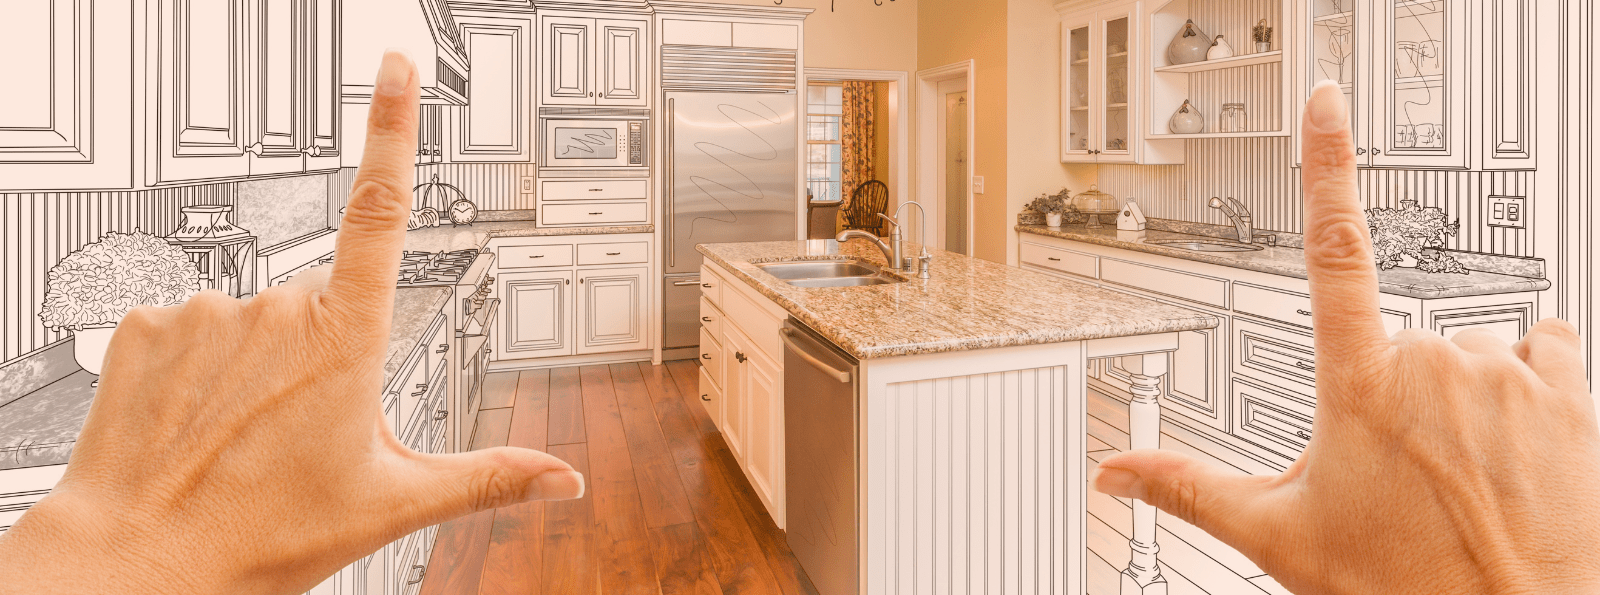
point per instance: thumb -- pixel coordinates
(1228, 505)
(458, 484)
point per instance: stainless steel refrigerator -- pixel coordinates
(732, 175)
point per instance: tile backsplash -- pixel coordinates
(1261, 173)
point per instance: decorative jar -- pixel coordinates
(1094, 203)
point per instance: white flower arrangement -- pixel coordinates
(101, 282)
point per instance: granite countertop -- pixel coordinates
(448, 237)
(966, 304)
(1291, 262)
(39, 428)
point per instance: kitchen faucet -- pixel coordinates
(888, 254)
(1242, 221)
(895, 254)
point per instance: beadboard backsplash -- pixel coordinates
(1260, 172)
(491, 186)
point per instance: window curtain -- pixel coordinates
(856, 137)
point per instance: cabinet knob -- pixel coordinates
(1377, 151)
(256, 149)
(569, 281)
(312, 151)
(1360, 151)
(591, 93)
(739, 355)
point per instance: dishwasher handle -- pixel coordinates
(832, 372)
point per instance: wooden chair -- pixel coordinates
(861, 211)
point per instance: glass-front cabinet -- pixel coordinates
(1097, 82)
(1402, 65)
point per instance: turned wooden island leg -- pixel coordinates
(1143, 576)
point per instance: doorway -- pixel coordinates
(879, 152)
(945, 166)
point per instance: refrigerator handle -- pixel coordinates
(671, 183)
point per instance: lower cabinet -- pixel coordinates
(538, 314)
(612, 310)
(572, 296)
(735, 396)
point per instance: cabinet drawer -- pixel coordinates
(527, 257)
(710, 318)
(1292, 307)
(711, 397)
(596, 190)
(1188, 286)
(1273, 355)
(1066, 261)
(711, 285)
(620, 253)
(587, 213)
(1277, 422)
(711, 355)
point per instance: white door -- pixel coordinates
(621, 56)
(611, 310)
(537, 316)
(568, 68)
(951, 214)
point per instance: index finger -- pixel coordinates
(372, 234)
(1339, 264)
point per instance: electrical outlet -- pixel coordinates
(1508, 211)
(977, 184)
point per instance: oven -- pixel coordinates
(595, 143)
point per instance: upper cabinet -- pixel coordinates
(495, 125)
(64, 117)
(589, 61)
(294, 94)
(1100, 64)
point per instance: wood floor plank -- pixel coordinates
(456, 564)
(735, 553)
(660, 490)
(566, 407)
(686, 377)
(515, 562)
(493, 429)
(499, 390)
(626, 564)
(774, 542)
(683, 563)
(571, 564)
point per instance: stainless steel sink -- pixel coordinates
(818, 269)
(1204, 245)
(842, 282)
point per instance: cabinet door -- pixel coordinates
(200, 128)
(64, 117)
(1115, 128)
(735, 391)
(764, 456)
(568, 67)
(275, 86)
(611, 310)
(537, 315)
(1076, 140)
(1509, 75)
(494, 125)
(322, 84)
(1336, 49)
(1196, 374)
(1419, 95)
(622, 71)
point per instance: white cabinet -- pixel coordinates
(538, 314)
(612, 310)
(1100, 64)
(735, 394)
(495, 125)
(741, 381)
(64, 117)
(588, 61)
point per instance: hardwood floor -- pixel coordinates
(667, 510)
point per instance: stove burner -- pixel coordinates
(431, 268)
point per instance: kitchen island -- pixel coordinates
(969, 413)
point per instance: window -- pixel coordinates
(824, 155)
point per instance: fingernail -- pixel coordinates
(395, 73)
(1327, 109)
(560, 485)
(1121, 483)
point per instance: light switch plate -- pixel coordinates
(527, 184)
(1508, 211)
(977, 184)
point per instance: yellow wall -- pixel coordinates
(1033, 139)
(950, 31)
(856, 33)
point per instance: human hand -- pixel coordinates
(1436, 466)
(238, 446)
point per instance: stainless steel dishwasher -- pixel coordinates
(820, 430)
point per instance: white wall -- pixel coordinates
(1033, 122)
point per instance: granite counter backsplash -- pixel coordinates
(447, 237)
(1291, 262)
(966, 304)
(40, 427)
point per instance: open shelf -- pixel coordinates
(1256, 134)
(1219, 64)
(1336, 16)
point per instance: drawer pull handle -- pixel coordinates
(599, 213)
(705, 356)
(706, 285)
(1302, 312)
(1303, 434)
(418, 393)
(706, 318)
(419, 571)
(440, 415)
(597, 190)
(536, 256)
(1055, 259)
(705, 398)
(613, 254)
(1305, 366)
(443, 347)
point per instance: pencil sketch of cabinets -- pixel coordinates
(243, 87)
(1426, 90)
(64, 118)
(494, 126)
(589, 61)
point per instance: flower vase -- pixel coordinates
(1052, 219)
(1407, 261)
(89, 347)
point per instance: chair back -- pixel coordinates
(861, 212)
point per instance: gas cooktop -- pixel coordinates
(424, 269)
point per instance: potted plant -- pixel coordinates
(1411, 236)
(1053, 206)
(91, 289)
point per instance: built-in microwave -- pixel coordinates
(606, 144)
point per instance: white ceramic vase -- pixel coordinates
(1187, 120)
(1220, 48)
(1052, 219)
(89, 347)
(1189, 45)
